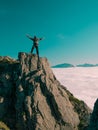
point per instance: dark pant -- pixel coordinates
(37, 51)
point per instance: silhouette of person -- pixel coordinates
(35, 44)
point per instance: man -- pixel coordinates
(35, 44)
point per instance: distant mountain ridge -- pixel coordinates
(68, 65)
(87, 65)
(64, 65)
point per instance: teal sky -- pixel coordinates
(70, 28)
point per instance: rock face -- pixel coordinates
(94, 118)
(33, 99)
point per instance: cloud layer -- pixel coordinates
(82, 82)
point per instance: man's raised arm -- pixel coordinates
(41, 38)
(29, 36)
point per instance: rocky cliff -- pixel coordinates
(33, 99)
(94, 118)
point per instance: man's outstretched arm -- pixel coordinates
(41, 38)
(29, 37)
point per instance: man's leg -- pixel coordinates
(37, 51)
(38, 63)
(32, 48)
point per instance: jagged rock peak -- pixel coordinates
(33, 99)
(51, 105)
(7, 59)
(29, 62)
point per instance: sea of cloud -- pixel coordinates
(81, 81)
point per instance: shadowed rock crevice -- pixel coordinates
(33, 99)
(52, 104)
(94, 117)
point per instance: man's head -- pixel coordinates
(35, 37)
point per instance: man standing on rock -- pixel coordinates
(35, 43)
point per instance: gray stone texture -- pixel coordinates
(33, 99)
